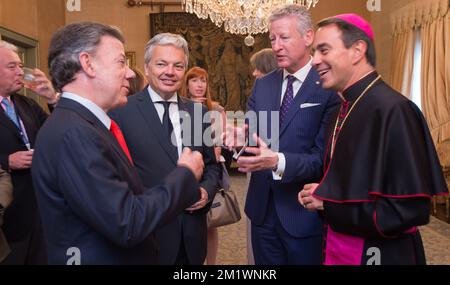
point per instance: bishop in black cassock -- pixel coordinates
(381, 167)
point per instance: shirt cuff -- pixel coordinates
(277, 174)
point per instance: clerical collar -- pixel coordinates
(354, 91)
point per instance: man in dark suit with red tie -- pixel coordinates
(151, 124)
(20, 120)
(94, 207)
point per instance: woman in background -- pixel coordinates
(196, 88)
(137, 83)
(263, 62)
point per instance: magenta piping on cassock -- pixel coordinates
(400, 196)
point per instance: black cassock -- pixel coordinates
(378, 184)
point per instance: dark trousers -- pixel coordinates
(182, 258)
(272, 245)
(31, 250)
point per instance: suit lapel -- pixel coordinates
(182, 106)
(307, 90)
(148, 111)
(274, 95)
(6, 121)
(189, 109)
(87, 115)
(278, 82)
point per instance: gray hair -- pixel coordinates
(304, 21)
(67, 44)
(166, 39)
(9, 46)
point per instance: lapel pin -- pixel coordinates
(317, 82)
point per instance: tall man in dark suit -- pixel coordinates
(143, 120)
(20, 120)
(94, 207)
(282, 231)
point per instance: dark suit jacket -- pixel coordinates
(90, 196)
(154, 159)
(21, 216)
(301, 140)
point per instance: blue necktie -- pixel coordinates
(10, 112)
(287, 99)
(12, 115)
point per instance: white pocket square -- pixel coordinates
(308, 105)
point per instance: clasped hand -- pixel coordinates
(20, 160)
(200, 203)
(307, 200)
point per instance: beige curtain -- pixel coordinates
(432, 17)
(403, 24)
(436, 68)
(402, 61)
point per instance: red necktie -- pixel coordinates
(117, 133)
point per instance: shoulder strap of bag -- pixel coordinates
(225, 181)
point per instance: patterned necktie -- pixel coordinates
(10, 112)
(287, 99)
(117, 133)
(167, 124)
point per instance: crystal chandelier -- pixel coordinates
(245, 17)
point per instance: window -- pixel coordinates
(417, 65)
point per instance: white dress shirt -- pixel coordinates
(300, 77)
(174, 114)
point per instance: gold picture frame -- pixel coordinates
(131, 58)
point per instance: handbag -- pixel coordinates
(225, 207)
